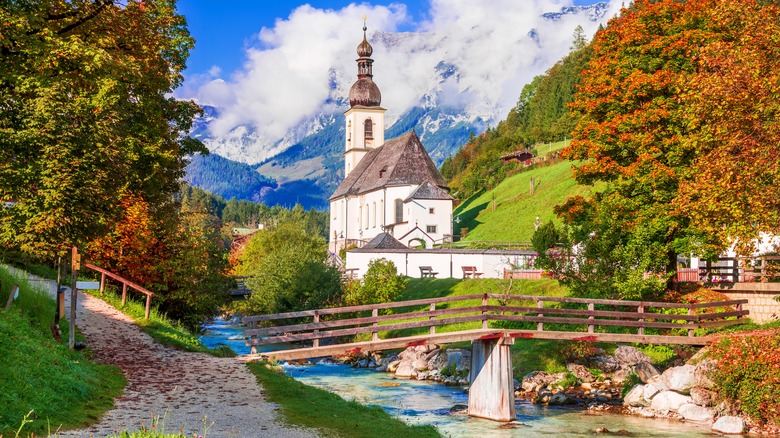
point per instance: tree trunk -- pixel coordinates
(671, 271)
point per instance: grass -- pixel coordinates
(162, 329)
(313, 407)
(548, 148)
(44, 387)
(508, 211)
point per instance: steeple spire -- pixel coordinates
(364, 91)
(364, 51)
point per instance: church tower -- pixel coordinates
(365, 119)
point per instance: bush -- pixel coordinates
(747, 372)
(381, 284)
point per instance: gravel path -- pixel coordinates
(194, 393)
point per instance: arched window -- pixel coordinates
(368, 129)
(399, 210)
(373, 215)
(366, 223)
(349, 133)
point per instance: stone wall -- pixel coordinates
(761, 299)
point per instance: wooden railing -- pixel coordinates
(753, 269)
(125, 283)
(554, 318)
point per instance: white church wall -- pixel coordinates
(448, 264)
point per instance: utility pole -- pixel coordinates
(75, 265)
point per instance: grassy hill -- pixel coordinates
(508, 211)
(44, 386)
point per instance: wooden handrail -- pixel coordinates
(640, 319)
(125, 283)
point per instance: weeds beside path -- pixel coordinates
(188, 393)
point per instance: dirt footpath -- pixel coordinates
(191, 393)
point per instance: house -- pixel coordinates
(522, 156)
(389, 187)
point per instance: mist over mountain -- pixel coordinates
(443, 82)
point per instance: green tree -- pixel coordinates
(288, 271)
(85, 117)
(381, 284)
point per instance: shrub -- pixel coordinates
(747, 372)
(381, 284)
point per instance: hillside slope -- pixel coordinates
(508, 211)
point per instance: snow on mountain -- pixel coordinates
(449, 104)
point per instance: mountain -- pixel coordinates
(306, 164)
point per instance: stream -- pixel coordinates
(422, 402)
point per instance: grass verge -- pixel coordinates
(162, 329)
(44, 386)
(313, 407)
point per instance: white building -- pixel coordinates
(389, 187)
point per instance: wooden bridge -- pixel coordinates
(491, 322)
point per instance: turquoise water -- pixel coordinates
(420, 402)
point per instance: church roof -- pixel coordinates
(429, 190)
(400, 161)
(384, 241)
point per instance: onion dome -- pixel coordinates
(364, 91)
(364, 49)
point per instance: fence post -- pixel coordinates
(316, 320)
(102, 282)
(148, 306)
(540, 325)
(484, 312)
(432, 329)
(591, 307)
(691, 323)
(641, 309)
(124, 293)
(374, 333)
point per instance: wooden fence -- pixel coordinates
(741, 270)
(125, 284)
(544, 317)
(523, 274)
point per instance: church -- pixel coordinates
(389, 188)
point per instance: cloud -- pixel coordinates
(288, 68)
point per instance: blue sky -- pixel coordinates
(222, 29)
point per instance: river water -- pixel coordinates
(420, 402)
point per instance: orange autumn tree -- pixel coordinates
(733, 189)
(647, 128)
(178, 252)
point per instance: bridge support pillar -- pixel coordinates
(492, 390)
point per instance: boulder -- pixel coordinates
(561, 399)
(454, 355)
(628, 356)
(679, 379)
(669, 401)
(649, 391)
(580, 372)
(693, 412)
(420, 364)
(729, 425)
(543, 396)
(405, 369)
(605, 363)
(621, 375)
(645, 371)
(464, 362)
(635, 397)
(393, 366)
(701, 375)
(703, 397)
(437, 361)
(536, 380)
